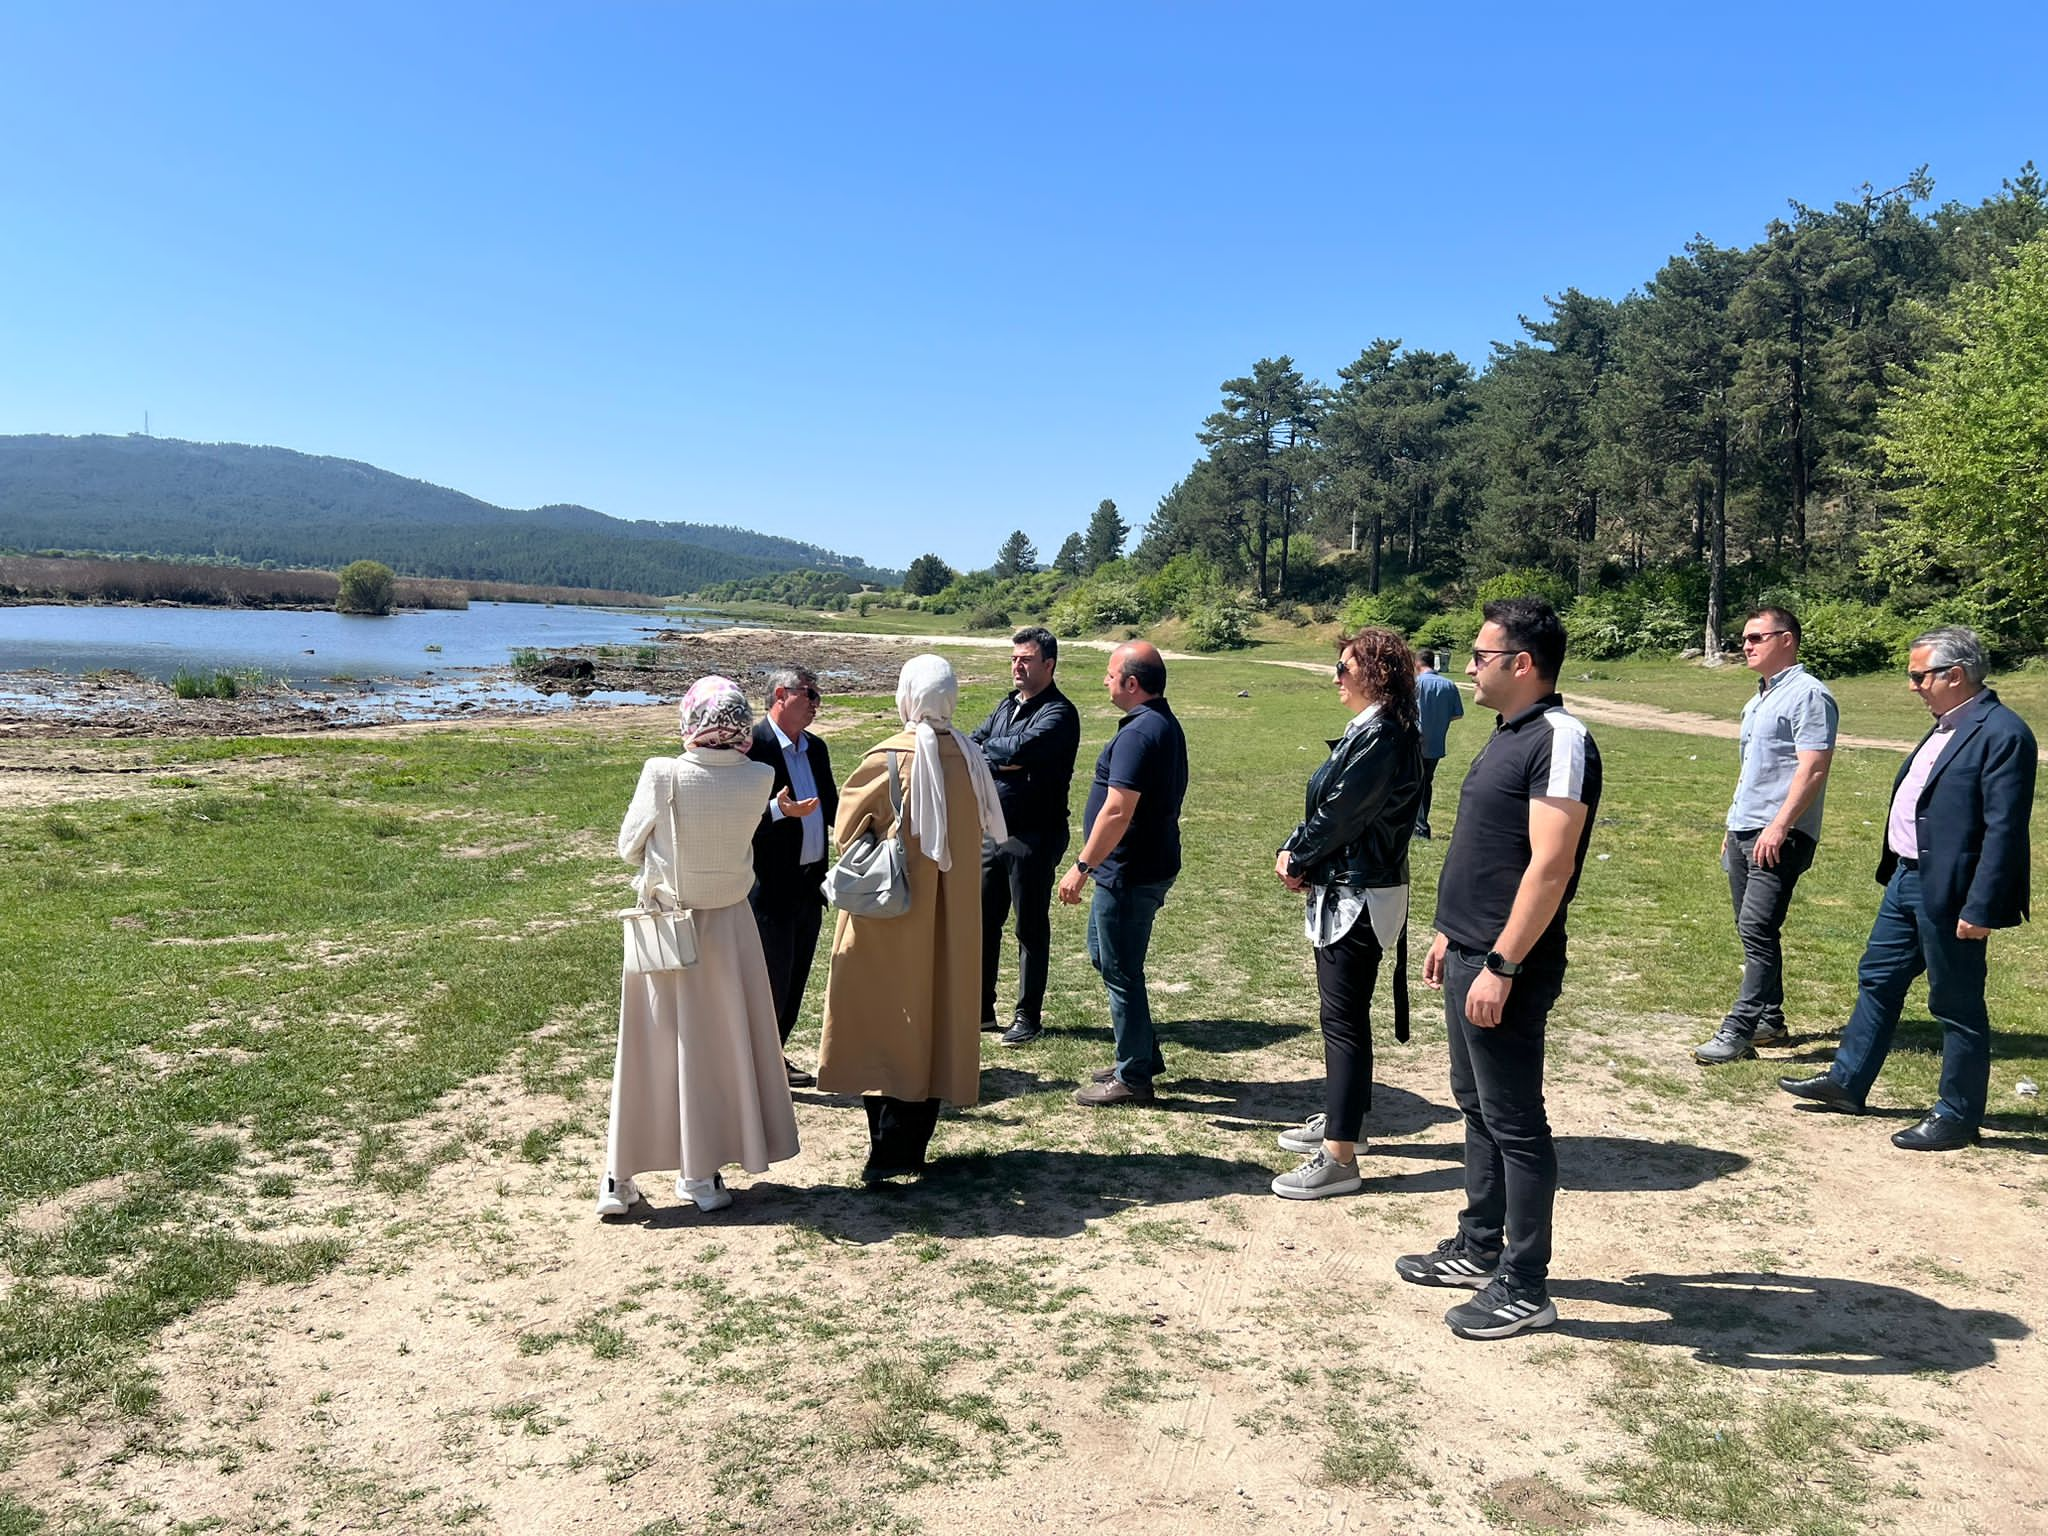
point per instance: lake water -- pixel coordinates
(308, 649)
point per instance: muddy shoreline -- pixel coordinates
(43, 705)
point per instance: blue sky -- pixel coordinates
(888, 277)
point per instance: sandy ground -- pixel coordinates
(405, 1392)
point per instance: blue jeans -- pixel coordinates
(1904, 941)
(1119, 932)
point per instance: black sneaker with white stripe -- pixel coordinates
(1449, 1263)
(1500, 1312)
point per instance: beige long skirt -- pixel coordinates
(699, 1083)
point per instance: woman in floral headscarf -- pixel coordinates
(699, 1081)
(903, 1006)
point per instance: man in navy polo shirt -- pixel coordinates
(1131, 849)
(1525, 815)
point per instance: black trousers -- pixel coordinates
(1346, 973)
(789, 939)
(1762, 897)
(1023, 881)
(1422, 802)
(899, 1130)
(1497, 1080)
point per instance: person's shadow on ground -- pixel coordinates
(1772, 1322)
(1597, 1163)
(1020, 1193)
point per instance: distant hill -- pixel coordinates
(227, 501)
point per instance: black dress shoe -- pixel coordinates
(1022, 1031)
(1824, 1091)
(1936, 1133)
(798, 1077)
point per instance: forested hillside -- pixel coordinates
(145, 495)
(1763, 417)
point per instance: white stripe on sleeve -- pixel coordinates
(1567, 756)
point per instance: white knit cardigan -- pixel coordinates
(719, 797)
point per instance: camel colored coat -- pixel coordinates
(903, 1006)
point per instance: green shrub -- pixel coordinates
(1838, 639)
(1452, 631)
(1601, 626)
(1221, 625)
(988, 618)
(1529, 582)
(366, 588)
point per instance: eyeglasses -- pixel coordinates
(1343, 667)
(1486, 658)
(1762, 635)
(1917, 678)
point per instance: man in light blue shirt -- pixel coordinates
(1437, 704)
(1788, 744)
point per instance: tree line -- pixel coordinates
(1804, 417)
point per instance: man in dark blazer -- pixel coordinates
(791, 853)
(1953, 867)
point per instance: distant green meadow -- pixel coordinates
(287, 945)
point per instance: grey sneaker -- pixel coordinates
(1771, 1034)
(1729, 1044)
(1321, 1175)
(1500, 1312)
(1308, 1136)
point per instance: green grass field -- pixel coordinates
(279, 954)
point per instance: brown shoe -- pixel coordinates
(1115, 1091)
(1102, 1075)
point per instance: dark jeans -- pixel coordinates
(789, 938)
(1023, 881)
(1119, 932)
(1345, 974)
(1497, 1080)
(1761, 896)
(1904, 941)
(1422, 802)
(899, 1130)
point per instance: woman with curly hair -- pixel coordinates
(1350, 856)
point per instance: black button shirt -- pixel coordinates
(1542, 753)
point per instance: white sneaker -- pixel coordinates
(1321, 1176)
(615, 1197)
(1308, 1136)
(710, 1194)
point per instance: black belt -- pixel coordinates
(1906, 863)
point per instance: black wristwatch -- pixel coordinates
(1084, 866)
(1501, 965)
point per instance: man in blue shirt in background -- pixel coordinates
(1437, 704)
(1788, 745)
(1131, 849)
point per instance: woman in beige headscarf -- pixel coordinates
(903, 1006)
(698, 1082)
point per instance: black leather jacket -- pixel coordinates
(1361, 809)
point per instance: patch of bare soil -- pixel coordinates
(1089, 1322)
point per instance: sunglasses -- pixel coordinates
(1917, 678)
(1762, 635)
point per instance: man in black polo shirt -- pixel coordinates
(1131, 848)
(1030, 742)
(1525, 816)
